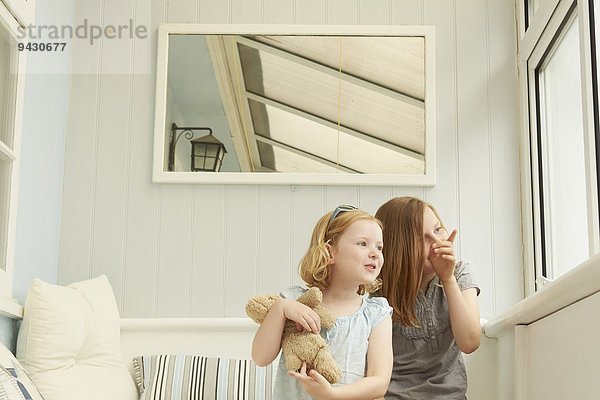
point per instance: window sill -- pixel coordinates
(573, 286)
(9, 307)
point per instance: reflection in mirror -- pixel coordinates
(298, 104)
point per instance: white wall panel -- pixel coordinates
(175, 251)
(279, 11)
(151, 239)
(110, 189)
(474, 162)
(342, 12)
(214, 12)
(337, 195)
(142, 209)
(413, 191)
(274, 239)
(141, 251)
(142, 202)
(370, 198)
(182, 11)
(241, 251)
(408, 12)
(246, 11)
(444, 196)
(81, 137)
(309, 204)
(208, 251)
(78, 187)
(158, 15)
(113, 127)
(112, 49)
(508, 286)
(483, 385)
(375, 12)
(311, 12)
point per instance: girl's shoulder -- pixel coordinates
(376, 302)
(376, 309)
(465, 277)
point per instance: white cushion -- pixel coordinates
(69, 342)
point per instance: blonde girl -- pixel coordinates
(344, 259)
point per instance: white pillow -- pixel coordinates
(69, 342)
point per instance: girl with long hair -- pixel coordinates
(434, 297)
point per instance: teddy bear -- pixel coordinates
(299, 347)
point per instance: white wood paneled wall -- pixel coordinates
(201, 250)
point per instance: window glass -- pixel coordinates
(5, 170)
(563, 160)
(533, 6)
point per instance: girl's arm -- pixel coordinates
(462, 305)
(464, 315)
(373, 386)
(267, 340)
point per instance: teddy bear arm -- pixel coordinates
(258, 307)
(299, 347)
(311, 298)
(294, 346)
(326, 316)
(313, 350)
(326, 366)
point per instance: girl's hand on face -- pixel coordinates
(313, 382)
(441, 256)
(305, 317)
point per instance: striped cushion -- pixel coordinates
(183, 377)
(14, 381)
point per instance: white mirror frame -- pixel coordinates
(161, 176)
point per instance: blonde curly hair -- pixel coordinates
(314, 268)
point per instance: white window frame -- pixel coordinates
(8, 306)
(23, 10)
(533, 44)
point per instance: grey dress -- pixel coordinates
(427, 362)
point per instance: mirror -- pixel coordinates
(262, 104)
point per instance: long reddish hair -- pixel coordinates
(402, 274)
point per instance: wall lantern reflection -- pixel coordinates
(207, 151)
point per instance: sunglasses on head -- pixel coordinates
(340, 209)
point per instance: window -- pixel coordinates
(558, 70)
(531, 8)
(561, 137)
(11, 69)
